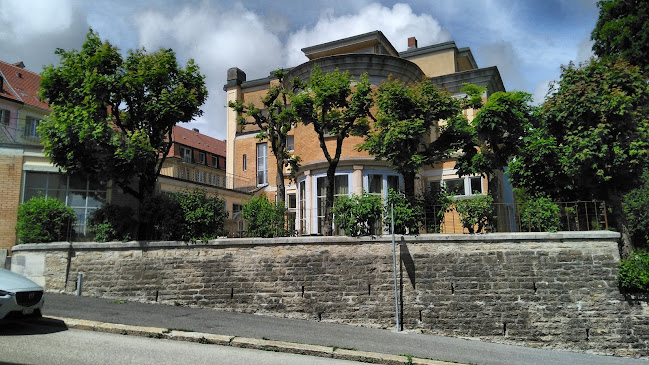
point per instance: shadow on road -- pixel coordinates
(21, 327)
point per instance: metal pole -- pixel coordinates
(394, 264)
(79, 283)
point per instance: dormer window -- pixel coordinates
(186, 154)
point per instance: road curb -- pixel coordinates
(241, 342)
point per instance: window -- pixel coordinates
(201, 158)
(200, 176)
(302, 193)
(262, 164)
(236, 210)
(215, 161)
(31, 125)
(291, 203)
(290, 143)
(245, 163)
(186, 154)
(84, 197)
(4, 116)
(341, 188)
(183, 173)
(471, 185)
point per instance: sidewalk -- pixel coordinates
(281, 332)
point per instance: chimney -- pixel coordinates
(195, 130)
(412, 43)
(19, 64)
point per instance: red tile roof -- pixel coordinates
(194, 139)
(21, 85)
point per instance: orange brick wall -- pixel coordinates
(10, 180)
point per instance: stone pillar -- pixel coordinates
(357, 179)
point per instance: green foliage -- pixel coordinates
(476, 212)
(538, 213)
(405, 118)
(112, 117)
(264, 218)
(634, 271)
(434, 202)
(358, 215)
(162, 218)
(112, 223)
(274, 123)
(499, 127)
(328, 103)
(407, 215)
(636, 209)
(188, 216)
(42, 219)
(623, 30)
(204, 216)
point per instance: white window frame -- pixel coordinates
(262, 164)
(467, 185)
(314, 198)
(186, 154)
(384, 180)
(202, 158)
(290, 143)
(245, 162)
(31, 125)
(5, 116)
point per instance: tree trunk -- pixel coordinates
(279, 180)
(327, 223)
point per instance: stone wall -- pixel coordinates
(553, 290)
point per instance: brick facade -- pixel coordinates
(10, 180)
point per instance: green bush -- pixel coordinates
(358, 215)
(635, 205)
(112, 223)
(264, 219)
(634, 271)
(204, 216)
(161, 218)
(406, 215)
(539, 214)
(476, 212)
(183, 216)
(434, 202)
(42, 219)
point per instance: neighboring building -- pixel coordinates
(195, 161)
(444, 64)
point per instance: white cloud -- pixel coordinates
(216, 40)
(397, 23)
(22, 21)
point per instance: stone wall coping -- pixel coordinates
(336, 240)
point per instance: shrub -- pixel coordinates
(204, 216)
(406, 215)
(476, 212)
(539, 214)
(358, 215)
(265, 219)
(161, 218)
(42, 219)
(435, 202)
(635, 206)
(112, 223)
(634, 271)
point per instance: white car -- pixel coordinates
(19, 296)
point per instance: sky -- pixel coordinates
(527, 39)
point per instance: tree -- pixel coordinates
(264, 218)
(274, 124)
(335, 111)
(112, 117)
(406, 116)
(599, 120)
(499, 128)
(622, 29)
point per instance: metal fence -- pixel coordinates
(573, 216)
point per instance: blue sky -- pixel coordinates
(527, 39)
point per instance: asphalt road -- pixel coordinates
(317, 333)
(31, 343)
